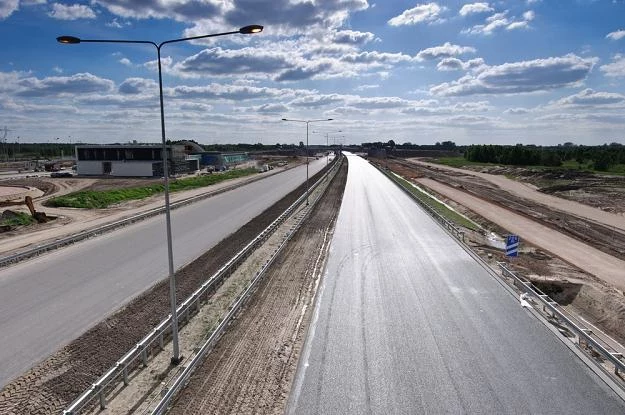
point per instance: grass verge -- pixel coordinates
(439, 207)
(89, 199)
(19, 219)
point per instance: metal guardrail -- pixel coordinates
(447, 224)
(33, 252)
(142, 349)
(584, 335)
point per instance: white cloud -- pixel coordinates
(501, 20)
(422, 13)
(208, 16)
(8, 7)
(589, 97)
(616, 35)
(455, 64)
(517, 111)
(57, 69)
(444, 51)
(529, 15)
(72, 12)
(521, 77)
(616, 68)
(517, 25)
(58, 85)
(474, 8)
(125, 61)
(366, 87)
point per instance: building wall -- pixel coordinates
(132, 168)
(118, 168)
(89, 168)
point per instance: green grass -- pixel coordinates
(90, 199)
(439, 207)
(22, 219)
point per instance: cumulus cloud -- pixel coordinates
(282, 16)
(352, 37)
(8, 7)
(521, 77)
(444, 51)
(616, 35)
(616, 68)
(589, 97)
(285, 61)
(422, 13)
(71, 12)
(138, 86)
(57, 85)
(455, 64)
(474, 8)
(517, 111)
(501, 20)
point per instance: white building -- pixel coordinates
(131, 160)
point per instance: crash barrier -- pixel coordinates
(38, 250)
(585, 337)
(156, 338)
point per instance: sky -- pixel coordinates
(502, 72)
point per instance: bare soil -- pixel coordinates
(251, 369)
(597, 300)
(52, 384)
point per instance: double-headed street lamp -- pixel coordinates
(327, 133)
(307, 122)
(170, 255)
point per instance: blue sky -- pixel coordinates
(522, 71)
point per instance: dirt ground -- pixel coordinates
(52, 384)
(251, 369)
(548, 259)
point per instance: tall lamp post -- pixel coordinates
(307, 122)
(327, 141)
(176, 358)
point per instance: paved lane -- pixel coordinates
(408, 323)
(48, 301)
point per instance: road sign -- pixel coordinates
(512, 245)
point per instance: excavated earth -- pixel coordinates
(252, 367)
(593, 299)
(51, 385)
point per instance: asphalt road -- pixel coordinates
(406, 322)
(48, 301)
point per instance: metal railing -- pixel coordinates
(584, 335)
(38, 250)
(156, 338)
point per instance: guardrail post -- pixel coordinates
(101, 396)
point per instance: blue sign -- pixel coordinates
(512, 245)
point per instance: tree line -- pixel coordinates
(601, 157)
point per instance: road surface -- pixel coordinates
(48, 301)
(407, 322)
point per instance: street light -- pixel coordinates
(307, 122)
(327, 133)
(246, 30)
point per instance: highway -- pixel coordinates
(49, 301)
(406, 322)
